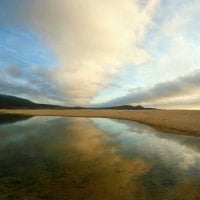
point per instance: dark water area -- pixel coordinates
(10, 118)
(57, 158)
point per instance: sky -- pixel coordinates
(101, 53)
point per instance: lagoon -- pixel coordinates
(58, 158)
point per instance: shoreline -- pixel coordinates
(182, 122)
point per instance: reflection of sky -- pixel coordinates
(22, 130)
(104, 155)
(135, 140)
(131, 139)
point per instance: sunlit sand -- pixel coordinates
(185, 122)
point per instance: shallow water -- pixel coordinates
(57, 158)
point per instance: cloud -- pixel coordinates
(182, 87)
(174, 46)
(178, 23)
(187, 102)
(29, 83)
(92, 39)
(24, 67)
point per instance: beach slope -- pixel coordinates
(185, 122)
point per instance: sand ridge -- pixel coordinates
(185, 122)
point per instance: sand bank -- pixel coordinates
(185, 122)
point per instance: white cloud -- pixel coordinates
(181, 20)
(92, 38)
(176, 55)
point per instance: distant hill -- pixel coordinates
(13, 102)
(127, 107)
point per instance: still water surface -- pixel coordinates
(57, 158)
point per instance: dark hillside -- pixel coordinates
(12, 102)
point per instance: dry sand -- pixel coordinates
(185, 122)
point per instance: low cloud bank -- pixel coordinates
(182, 87)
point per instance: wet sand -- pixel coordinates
(185, 122)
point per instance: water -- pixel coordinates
(57, 158)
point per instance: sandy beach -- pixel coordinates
(185, 122)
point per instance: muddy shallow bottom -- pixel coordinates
(57, 158)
